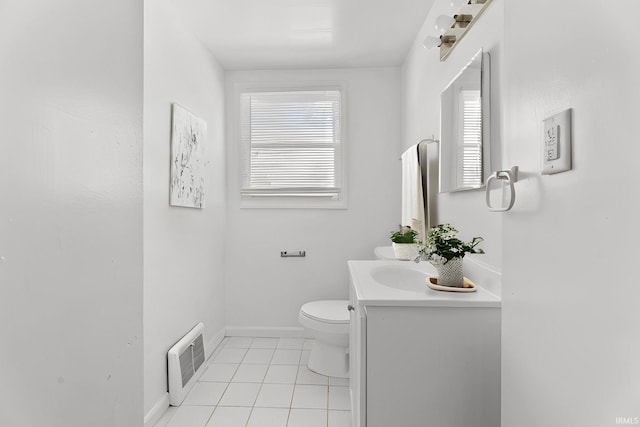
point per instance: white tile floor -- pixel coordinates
(262, 382)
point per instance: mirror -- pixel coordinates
(464, 127)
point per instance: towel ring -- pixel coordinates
(509, 175)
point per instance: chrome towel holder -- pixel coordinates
(508, 175)
(299, 254)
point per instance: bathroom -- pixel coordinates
(100, 276)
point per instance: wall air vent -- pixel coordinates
(185, 362)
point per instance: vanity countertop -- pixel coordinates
(367, 279)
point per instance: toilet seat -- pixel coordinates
(327, 311)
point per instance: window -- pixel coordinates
(292, 148)
(470, 140)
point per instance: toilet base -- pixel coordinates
(329, 360)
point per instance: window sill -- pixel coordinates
(292, 202)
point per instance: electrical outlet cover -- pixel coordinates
(556, 143)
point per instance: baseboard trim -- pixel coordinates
(267, 332)
(214, 342)
(157, 411)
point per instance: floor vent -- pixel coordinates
(185, 360)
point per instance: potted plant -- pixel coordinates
(445, 251)
(405, 245)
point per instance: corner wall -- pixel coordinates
(265, 290)
(183, 247)
(566, 250)
(71, 213)
(571, 318)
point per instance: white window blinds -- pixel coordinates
(470, 147)
(291, 143)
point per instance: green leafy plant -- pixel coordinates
(442, 245)
(404, 234)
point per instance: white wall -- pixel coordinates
(71, 213)
(183, 247)
(424, 77)
(570, 307)
(571, 319)
(264, 290)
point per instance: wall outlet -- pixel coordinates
(556, 143)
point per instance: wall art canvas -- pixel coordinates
(188, 133)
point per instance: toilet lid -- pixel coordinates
(327, 311)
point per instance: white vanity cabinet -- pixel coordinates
(423, 360)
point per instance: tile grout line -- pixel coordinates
(298, 372)
(261, 386)
(221, 394)
(293, 392)
(328, 389)
(228, 382)
(259, 390)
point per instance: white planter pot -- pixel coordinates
(405, 251)
(450, 273)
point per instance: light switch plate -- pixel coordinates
(556, 143)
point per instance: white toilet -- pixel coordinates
(329, 322)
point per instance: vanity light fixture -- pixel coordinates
(444, 22)
(453, 28)
(462, 20)
(431, 41)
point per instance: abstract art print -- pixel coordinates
(188, 133)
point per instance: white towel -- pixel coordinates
(412, 196)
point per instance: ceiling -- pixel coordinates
(280, 34)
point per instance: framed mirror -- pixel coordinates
(464, 127)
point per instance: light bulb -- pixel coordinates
(457, 4)
(444, 22)
(430, 42)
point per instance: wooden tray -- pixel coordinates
(468, 286)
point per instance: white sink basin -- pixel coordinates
(400, 277)
(404, 283)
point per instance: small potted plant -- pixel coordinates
(445, 251)
(405, 245)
